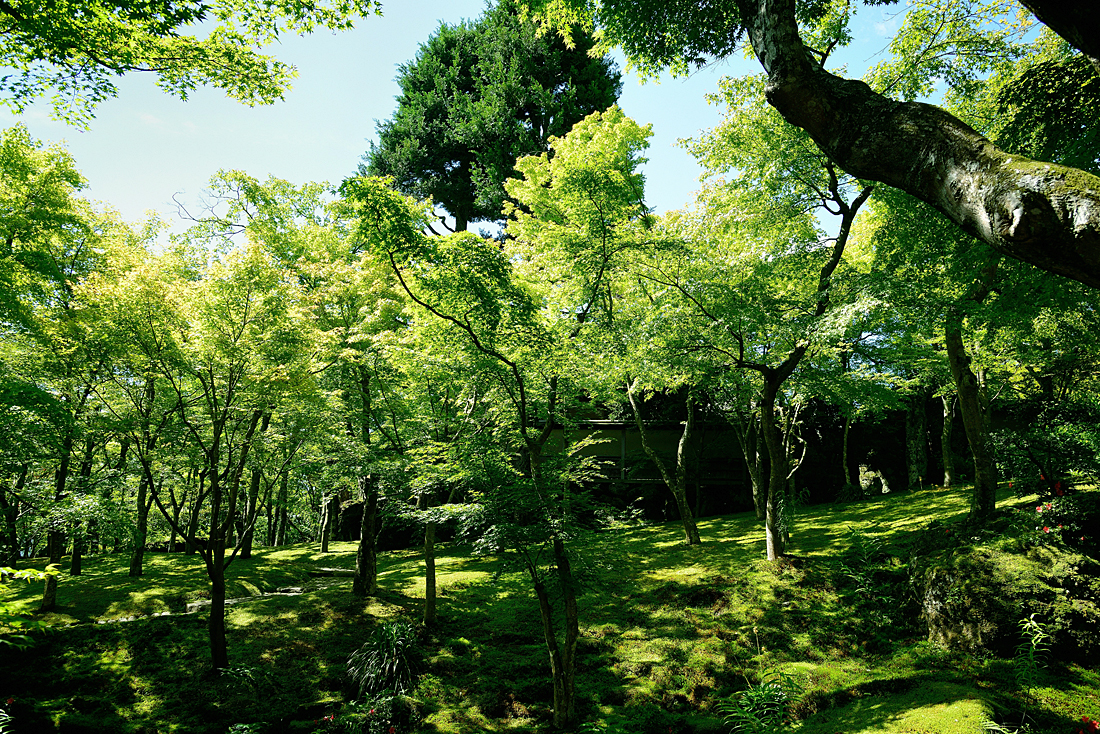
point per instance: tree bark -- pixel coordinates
(916, 444)
(141, 526)
(1042, 213)
(219, 644)
(9, 509)
(429, 574)
(945, 440)
(749, 438)
(366, 558)
(330, 510)
(846, 469)
(55, 548)
(55, 543)
(252, 508)
(984, 498)
(562, 655)
(985, 481)
(190, 546)
(280, 509)
(677, 483)
(774, 520)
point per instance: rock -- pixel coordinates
(872, 481)
(973, 596)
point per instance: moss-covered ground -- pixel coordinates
(668, 631)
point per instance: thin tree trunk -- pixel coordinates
(252, 503)
(572, 634)
(749, 439)
(777, 474)
(845, 468)
(328, 512)
(177, 510)
(84, 477)
(55, 547)
(196, 510)
(945, 439)
(280, 510)
(141, 529)
(562, 656)
(986, 403)
(677, 482)
(984, 499)
(9, 509)
(219, 644)
(429, 574)
(253, 499)
(76, 560)
(366, 558)
(55, 543)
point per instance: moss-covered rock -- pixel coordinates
(974, 584)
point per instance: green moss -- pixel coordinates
(1071, 178)
(667, 632)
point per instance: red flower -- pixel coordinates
(11, 700)
(1046, 529)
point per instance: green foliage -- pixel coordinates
(1043, 448)
(864, 552)
(15, 628)
(763, 707)
(952, 42)
(72, 50)
(384, 713)
(1049, 110)
(388, 661)
(478, 96)
(1031, 654)
(38, 211)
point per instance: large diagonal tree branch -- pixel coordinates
(1042, 213)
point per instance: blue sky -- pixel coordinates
(145, 146)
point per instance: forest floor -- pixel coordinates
(668, 632)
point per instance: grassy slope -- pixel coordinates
(668, 630)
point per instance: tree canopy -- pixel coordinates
(478, 96)
(73, 50)
(1044, 213)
